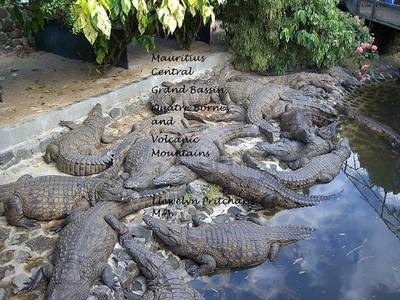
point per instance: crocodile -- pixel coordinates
(323, 168)
(144, 161)
(209, 147)
(85, 243)
(51, 197)
(294, 152)
(163, 282)
(253, 185)
(218, 113)
(76, 152)
(258, 99)
(170, 123)
(297, 125)
(233, 245)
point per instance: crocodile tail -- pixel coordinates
(84, 165)
(238, 131)
(255, 115)
(288, 233)
(292, 198)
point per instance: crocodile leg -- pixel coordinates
(108, 138)
(69, 217)
(274, 251)
(44, 272)
(15, 214)
(207, 264)
(107, 277)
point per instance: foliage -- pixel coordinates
(282, 35)
(109, 25)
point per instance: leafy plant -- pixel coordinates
(110, 25)
(285, 35)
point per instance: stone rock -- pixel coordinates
(7, 25)
(18, 282)
(7, 156)
(6, 256)
(21, 256)
(195, 187)
(91, 297)
(121, 255)
(3, 37)
(233, 211)
(198, 219)
(133, 268)
(184, 216)
(15, 42)
(102, 292)
(125, 278)
(18, 238)
(6, 271)
(41, 243)
(17, 33)
(173, 261)
(4, 233)
(138, 285)
(116, 113)
(3, 294)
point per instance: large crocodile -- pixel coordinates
(209, 146)
(163, 282)
(144, 160)
(173, 123)
(76, 152)
(86, 242)
(253, 185)
(297, 125)
(233, 245)
(257, 98)
(51, 197)
(323, 168)
(295, 152)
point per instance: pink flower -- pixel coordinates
(368, 46)
(374, 48)
(360, 50)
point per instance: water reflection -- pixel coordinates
(352, 255)
(355, 252)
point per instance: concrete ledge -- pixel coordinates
(32, 136)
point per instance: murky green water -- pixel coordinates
(355, 252)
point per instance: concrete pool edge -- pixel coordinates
(27, 138)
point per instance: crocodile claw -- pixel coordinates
(192, 268)
(27, 223)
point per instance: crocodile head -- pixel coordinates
(51, 154)
(169, 233)
(343, 149)
(279, 149)
(111, 190)
(96, 111)
(148, 262)
(175, 175)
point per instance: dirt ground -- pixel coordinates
(39, 81)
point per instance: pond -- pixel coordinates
(355, 251)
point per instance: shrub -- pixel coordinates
(110, 25)
(285, 35)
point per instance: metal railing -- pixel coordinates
(377, 11)
(386, 205)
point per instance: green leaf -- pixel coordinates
(101, 21)
(126, 6)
